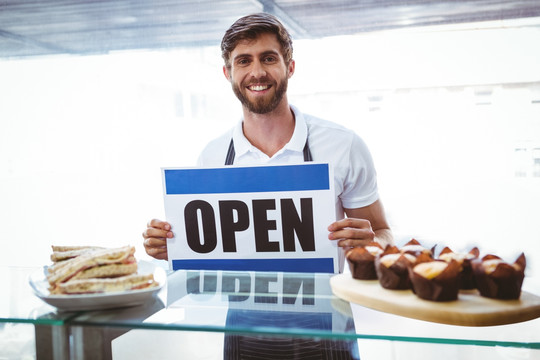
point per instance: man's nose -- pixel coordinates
(257, 69)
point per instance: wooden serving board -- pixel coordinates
(470, 309)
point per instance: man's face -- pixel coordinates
(259, 74)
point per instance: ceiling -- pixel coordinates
(48, 27)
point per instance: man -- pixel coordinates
(257, 51)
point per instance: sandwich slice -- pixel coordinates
(106, 271)
(91, 286)
(100, 263)
(62, 253)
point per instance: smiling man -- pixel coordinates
(259, 56)
(257, 51)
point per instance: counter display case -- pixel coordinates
(219, 314)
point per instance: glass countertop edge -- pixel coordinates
(57, 322)
(304, 333)
(488, 343)
(33, 321)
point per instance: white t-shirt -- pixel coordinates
(355, 179)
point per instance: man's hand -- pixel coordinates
(350, 232)
(155, 238)
(361, 226)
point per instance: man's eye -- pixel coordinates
(269, 59)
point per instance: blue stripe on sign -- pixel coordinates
(247, 179)
(321, 265)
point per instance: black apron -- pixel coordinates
(229, 160)
(268, 347)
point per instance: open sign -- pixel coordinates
(266, 218)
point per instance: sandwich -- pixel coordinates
(97, 270)
(61, 253)
(123, 283)
(65, 270)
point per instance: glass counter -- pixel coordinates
(18, 307)
(218, 314)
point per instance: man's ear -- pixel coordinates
(292, 65)
(226, 73)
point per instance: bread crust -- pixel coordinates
(107, 271)
(123, 283)
(61, 253)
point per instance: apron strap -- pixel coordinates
(307, 152)
(229, 159)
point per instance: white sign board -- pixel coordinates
(257, 218)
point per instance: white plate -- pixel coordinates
(39, 284)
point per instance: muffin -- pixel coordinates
(434, 280)
(466, 277)
(498, 279)
(392, 268)
(414, 248)
(361, 261)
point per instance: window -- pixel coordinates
(451, 117)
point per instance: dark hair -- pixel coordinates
(249, 28)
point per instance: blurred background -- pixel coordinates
(95, 97)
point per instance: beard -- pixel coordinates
(262, 105)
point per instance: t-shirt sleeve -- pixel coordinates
(360, 185)
(215, 152)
